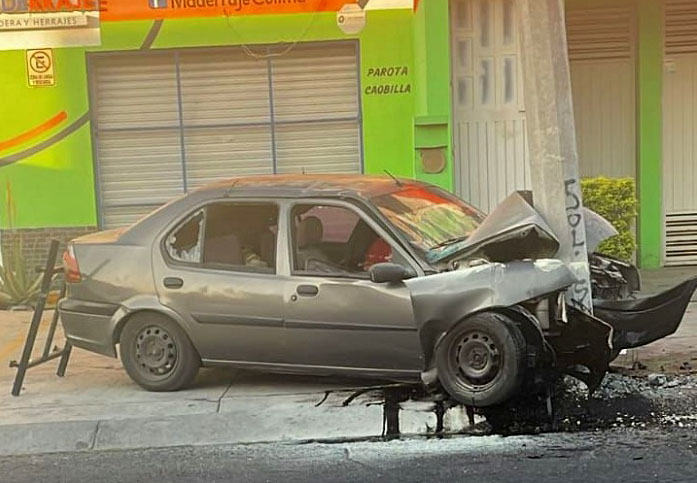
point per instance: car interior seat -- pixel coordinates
(361, 239)
(308, 236)
(224, 249)
(267, 246)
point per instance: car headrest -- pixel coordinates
(310, 231)
(224, 249)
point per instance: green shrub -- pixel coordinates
(18, 285)
(615, 200)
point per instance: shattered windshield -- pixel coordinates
(430, 218)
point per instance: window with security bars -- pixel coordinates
(169, 121)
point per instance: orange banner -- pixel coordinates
(163, 9)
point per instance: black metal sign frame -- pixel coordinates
(48, 353)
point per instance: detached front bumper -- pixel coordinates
(640, 321)
(89, 325)
(585, 345)
(582, 347)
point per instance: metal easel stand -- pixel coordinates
(26, 361)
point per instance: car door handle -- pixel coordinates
(173, 282)
(307, 290)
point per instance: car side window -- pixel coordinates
(241, 236)
(184, 243)
(335, 240)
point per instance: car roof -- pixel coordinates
(348, 186)
(311, 185)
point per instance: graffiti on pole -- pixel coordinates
(580, 291)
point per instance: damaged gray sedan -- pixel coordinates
(349, 275)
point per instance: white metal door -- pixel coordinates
(491, 158)
(680, 132)
(488, 118)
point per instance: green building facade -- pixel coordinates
(171, 99)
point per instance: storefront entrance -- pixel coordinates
(165, 122)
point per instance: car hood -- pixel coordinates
(455, 294)
(516, 231)
(513, 231)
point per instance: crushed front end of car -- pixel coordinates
(507, 268)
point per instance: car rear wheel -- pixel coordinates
(480, 360)
(157, 354)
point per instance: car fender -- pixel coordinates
(440, 301)
(144, 303)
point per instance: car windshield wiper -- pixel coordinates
(450, 241)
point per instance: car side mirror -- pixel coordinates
(390, 273)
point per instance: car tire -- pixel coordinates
(157, 354)
(480, 361)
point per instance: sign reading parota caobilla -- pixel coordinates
(40, 68)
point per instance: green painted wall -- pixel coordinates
(388, 136)
(649, 133)
(56, 186)
(432, 125)
(53, 187)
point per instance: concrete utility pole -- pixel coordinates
(552, 136)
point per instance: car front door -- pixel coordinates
(335, 317)
(217, 269)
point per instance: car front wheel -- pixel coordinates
(157, 354)
(480, 360)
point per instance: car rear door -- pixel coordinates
(335, 316)
(217, 269)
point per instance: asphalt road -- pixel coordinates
(612, 456)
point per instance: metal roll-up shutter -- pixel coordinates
(316, 112)
(601, 43)
(165, 122)
(680, 27)
(600, 33)
(226, 115)
(137, 135)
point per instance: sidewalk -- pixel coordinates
(654, 281)
(668, 354)
(680, 349)
(96, 406)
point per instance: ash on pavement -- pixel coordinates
(621, 401)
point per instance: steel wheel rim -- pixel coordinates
(476, 360)
(156, 352)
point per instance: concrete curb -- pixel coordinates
(244, 420)
(17, 439)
